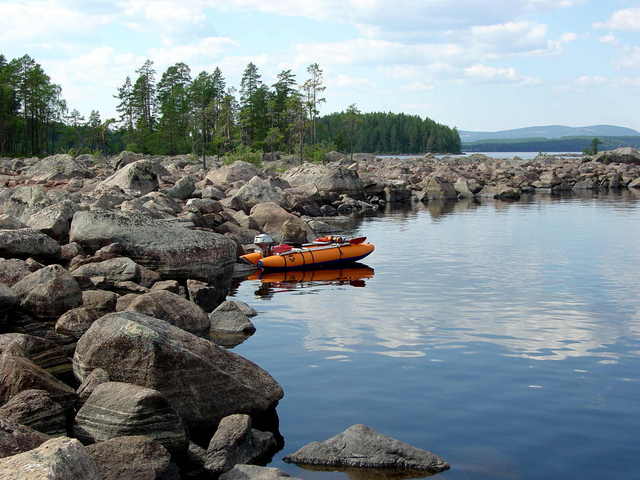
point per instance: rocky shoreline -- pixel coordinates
(113, 279)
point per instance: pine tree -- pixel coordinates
(174, 106)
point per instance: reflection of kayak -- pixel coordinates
(323, 252)
(323, 275)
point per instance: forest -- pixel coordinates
(178, 113)
(563, 144)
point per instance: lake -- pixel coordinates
(504, 337)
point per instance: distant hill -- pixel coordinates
(549, 131)
(563, 144)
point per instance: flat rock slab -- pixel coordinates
(362, 447)
(169, 249)
(253, 472)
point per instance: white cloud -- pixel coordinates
(199, 52)
(630, 58)
(609, 39)
(591, 81)
(418, 86)
(489, 74)
(627, 19)
(348, 81)
(44, 19)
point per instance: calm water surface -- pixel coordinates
(504, 337)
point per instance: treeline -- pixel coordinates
(387, 133)
(177, 113)
(563, 144)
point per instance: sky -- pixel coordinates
(473, 64)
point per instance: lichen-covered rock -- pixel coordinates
(8, 298)
(437, 188)
(116, 409)
(257, 190)
(237, 171)
(164, 247)
(16, 438)
(172, 308)
(203, 382)
(26, 242)
(36, 409)
(362, 447)
(236, 442)
(271, 218)
(57, 459)
(326, 179)
(231, 305)
(183, 188)
(58, 167)
(619, 155)
(48, 292)
(133, 457)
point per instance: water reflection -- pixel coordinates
(296, 280)
(369, 473)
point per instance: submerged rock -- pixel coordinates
(254, 472)
(202, 381)
(362, 447)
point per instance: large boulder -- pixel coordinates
(236, 442)
(116, 409)
(19, 374)
(26, 242)
(237, 171)
(627, 155)
(276, 221)
(49, 292)
(362, 447)
(183, 188)
(203, 382)
(16, 438)
(8, 298)
(57, 459)
(133, 457)
(36, 409)
(164, 247)
(137, 178)
(326, 180)
(58, 167)
(228, 318)
(125, 158)
(256, 191)
(172, 308)
(90, 383)
(437, 188)
(76, 321)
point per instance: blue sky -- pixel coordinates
(474, 64)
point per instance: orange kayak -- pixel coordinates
(317, 254)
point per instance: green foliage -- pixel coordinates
(563, 144)
(317, 153)
(244, 153)
(387, 133)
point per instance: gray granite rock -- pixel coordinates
(362, 447)
(254, 472)
(48, 292)
(236, 442)
(203, 382)
(27, 242)
(16, 438)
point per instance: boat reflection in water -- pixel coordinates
(292, 280)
